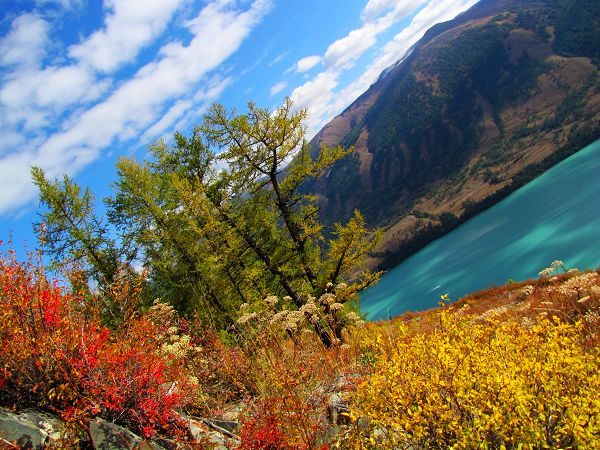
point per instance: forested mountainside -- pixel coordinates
(481, 105)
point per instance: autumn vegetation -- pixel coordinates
(215, 293)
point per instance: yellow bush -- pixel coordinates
(482, 385)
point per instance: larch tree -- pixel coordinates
(219, 219)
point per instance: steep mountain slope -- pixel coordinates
(482, 104)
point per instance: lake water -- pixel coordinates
(556, 216)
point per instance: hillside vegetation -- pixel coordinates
(483, 104)
(511, 367)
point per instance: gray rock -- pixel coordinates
(328, 435)
(29, 429)
(109, 436)
(233, 412)
(225, 427)
(338, 409)
(207, 433)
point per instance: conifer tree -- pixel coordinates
(220, 219)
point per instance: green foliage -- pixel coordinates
(212, 240)
(578, 28)
(71, 229)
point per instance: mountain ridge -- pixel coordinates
(480, 105)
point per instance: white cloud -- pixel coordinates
(375, 7)
(343, 52)
(307, 63)
(135, 106)
(278, 59)
(378, 16)
(132, 25)
(324, 105)
(15, 176)
(177, 116)
(436, 11)
(317, 96)
(25, 43)
(168, 119)
(396, 9)
(277, 88)
(52, 87)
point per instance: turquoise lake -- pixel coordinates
(556, 216)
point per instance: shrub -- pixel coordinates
(56, 354)
(467, 383)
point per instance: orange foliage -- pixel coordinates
(56, 354)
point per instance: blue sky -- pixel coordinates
(84, 82)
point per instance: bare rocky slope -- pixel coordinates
(482, 104)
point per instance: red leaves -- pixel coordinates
(51, 303)
(56, 352)
(262, 431)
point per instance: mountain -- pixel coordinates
(481, 105)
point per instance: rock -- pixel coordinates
(325, 437)
(338, 409)
(109, 436)
(233, 412)
(345, 383)
(29, 429)
(225, 425)
(208, 434)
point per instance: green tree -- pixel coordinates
(219, 218)
(72, 231)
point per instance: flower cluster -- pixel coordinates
(327, 311)
(553, 269)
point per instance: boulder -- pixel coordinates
(109, 436)
(210, 435)
(29, 429)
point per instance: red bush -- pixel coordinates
(262, 429)
(56, 354)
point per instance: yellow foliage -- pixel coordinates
(481, 384)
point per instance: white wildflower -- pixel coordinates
(290, 326)
(247, 317)
(353, 317)
(271, 300)
(336, 306)
(279, 317)
(327, 299)
(295, 316)
(309, 308)
(528, 290)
